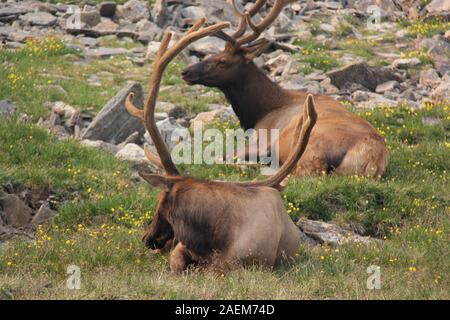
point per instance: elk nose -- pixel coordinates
(185, 73)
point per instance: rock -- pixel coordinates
(447, 35)
(437, 46)
(327, 28)
(218, 113)
(431, 121)
(442, 92)
(405, 63)
(438, 7)
(7, 108)
(177, 112)
(133, 153)
(276, 65)
(162, 106)
(98, 144)
(17, 213)
(148, 31)
(387, 86)
(134, 10)
(43, 215)
(107, 26)
(114, 124)
(103, 52)
(152, 50)
(171, 132)
(429, 78)
(90, 18)
(369, 100)
(63, 110)
(159, 12)
(88, 41)
(362, 74)
(206, 46)
(328, 87)
(193, 13)
(107, 9)
(39, 19)
(328, 233)
(12, 11)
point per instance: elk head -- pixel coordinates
(224, 68)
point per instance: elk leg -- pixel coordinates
(179, 259)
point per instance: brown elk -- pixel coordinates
(213, 221)
(341, 141)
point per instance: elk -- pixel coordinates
(224, 223)
(341, 142)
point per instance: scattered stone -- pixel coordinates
(193, 13)
(39, 19)
(217, 113)
(405, 63)
(431, 121)
(442, 92)
(277, 64)
(105, 52)
(171, 132)
(107, 9)
(438, 7)
(328, 87)
(327, 27)
(430, 78)
(98, 144)
(362, 74)
(133, 153)
(113, 123)
(328, 233)
(387, 86)
(7, 108)
(43, 215)
(107, 27)
(177, 112)
(17, 213)
(133, 11)
(90, 18)
(206, 46)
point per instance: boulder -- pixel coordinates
(39, 18)
(17, 213)
(133, 153)
(98, 144)
(7, 108)
(90, 18)
(134, 10)
(438, 7)
(442, 92)
(113, 123)
(405, 63)
(107, 9)
(328, 233)
(43, 215)
(107, 27)
(171, 132)
(429, 78)
(361, 74)
(193, 13)
(207, 46)
(387, 86)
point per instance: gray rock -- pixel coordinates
(134, 10)
(387, 86)
(103, 52)
(114, 124)
(442, 92)
(12, 11)
(177, 112)
(7, 108)
(438, 7)
(133, 153)
(431, 121)
(193, 13)
(17, 213)
(207, 46)
(106, 26)
(88, 41)
(327, 28)
(43, 215)
(171, 132)
(98, 144)
(107, 9)
(405, 63)
(160, 12)
(329, 233)
(361, 74)
(429, 78)
(39, 18)
(90, 18)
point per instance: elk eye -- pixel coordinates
(222, 62)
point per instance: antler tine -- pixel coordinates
(266, 22)
(243, 16)
(163, 58)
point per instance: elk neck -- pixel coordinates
(254, 95)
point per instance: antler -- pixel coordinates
(239, 38)
(163, 58)
(302, 131)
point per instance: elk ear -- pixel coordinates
(158, 181)
(309, 109)
(255, 49)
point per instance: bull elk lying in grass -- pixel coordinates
(224, 223)
(341, 142)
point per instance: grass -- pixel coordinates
(103, 208)
(315, 56)
(427, 28)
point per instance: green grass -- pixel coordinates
(103, 208)
(315, 56)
